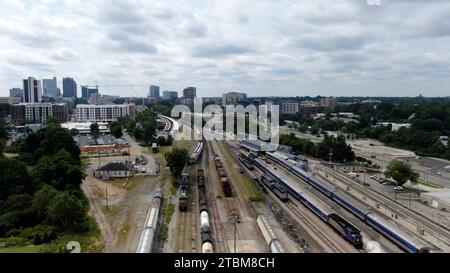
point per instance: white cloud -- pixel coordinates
(291, 48)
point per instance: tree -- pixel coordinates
(42, 200)
(116, 129)
(65, 210)
(401, 172)
(176, 160)
(59, 170)
(14, 178)
(148, 131)
(95, 131)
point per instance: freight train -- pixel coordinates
(197, 153)
(224, 182)
(246, 161)
(148, 234)
(183, 199)
(390, 230)
(205, 228)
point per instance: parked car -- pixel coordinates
(398, 188)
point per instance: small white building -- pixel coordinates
(114, 170)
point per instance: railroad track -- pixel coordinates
(307, 224)
(182, 217)
(217, 231)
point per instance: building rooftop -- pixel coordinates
(115, 167)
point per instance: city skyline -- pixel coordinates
(306, 48)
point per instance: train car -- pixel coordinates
(403, 239)
(357, 208)
(185, 180)
(276, 187)
(183, 200)
(246, 162)
(147, 237)
(221, 172)
(201, 180)
(316, 206)
(226, 187)
(207, 248)
(269, 235)
(347, 230)
(197, 154)
(146, 241)
(204, 220)
(280, 192)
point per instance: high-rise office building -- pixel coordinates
(50, 87)
(233, 98)
(154, 92)
(16, 92)
(190, 93)
(86, 91)
(170, 95)
(32, 90)
(69, 88)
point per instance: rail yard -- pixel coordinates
(300, 208)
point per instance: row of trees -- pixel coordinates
(40, 195)
(336, 147)
(143, 127)
(430, 119)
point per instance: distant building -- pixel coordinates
(328, 102)
(95, 99)
(190, 93)
(395, 126)
(371, 101)
(16, 92)
(85, 127)
(170, 95)
(69, 88)
(233, 98)
(10, 100)
(39, 112)
(32, 90)
(50, 87)
(86, 91)
(289, 107)
(444, 140)
(310, 107)
(154, 92)
(104, 113)
(114, 170)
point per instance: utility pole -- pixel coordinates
(106, 196)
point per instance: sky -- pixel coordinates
(261, 47)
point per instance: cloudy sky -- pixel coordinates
(265, 48)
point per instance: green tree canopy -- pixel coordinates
(176, 160)
(401, 172)
(14, 178)
(95, 131)
(116, 129)
(60, 171)
(65, 210)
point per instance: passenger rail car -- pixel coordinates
(407, 241)
(197, 153)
